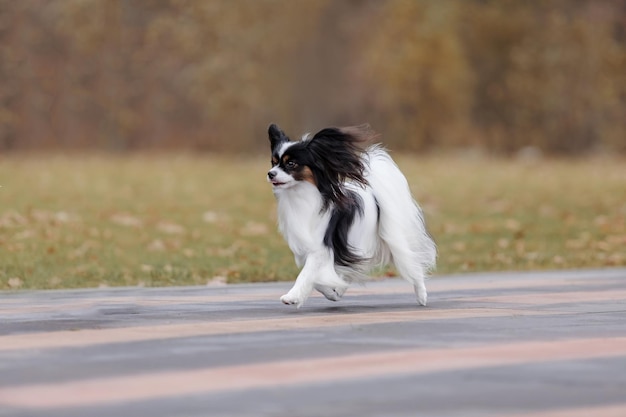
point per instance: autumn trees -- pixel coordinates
(212, 74)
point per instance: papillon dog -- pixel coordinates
(344, 209)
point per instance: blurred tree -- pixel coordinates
(416, 60)
(121, 74)
(503, 74)
(550, 74)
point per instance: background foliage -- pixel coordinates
(153, 220)
(210, 75)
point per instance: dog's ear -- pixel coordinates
(276, 135)
(337, 155)
(352, 138)
(362, 135)
(340, 150)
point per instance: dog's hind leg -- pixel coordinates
(416, 277)
(401, 222)
(411, 271)
(420, 293)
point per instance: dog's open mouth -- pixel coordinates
(277, 184)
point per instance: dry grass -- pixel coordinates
(95, 220)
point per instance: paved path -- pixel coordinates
(534, 344)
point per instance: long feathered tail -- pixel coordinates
(401, 221)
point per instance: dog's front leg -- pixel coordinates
(318, 269)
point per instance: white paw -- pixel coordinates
(422, 299)
(292, 299)
(332, 294)
(421, 294)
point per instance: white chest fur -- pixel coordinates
(300, 220)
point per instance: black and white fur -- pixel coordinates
(345, 209)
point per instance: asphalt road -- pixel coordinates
(501, 344)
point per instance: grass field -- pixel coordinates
(102, 220)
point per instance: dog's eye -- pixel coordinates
(274, 162)
(290, 164)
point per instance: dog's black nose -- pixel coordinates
(271, 175)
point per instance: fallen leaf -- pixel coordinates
(513, 225)
(54, 281)
(127, 220)
(217, 281)
(171, 228)
(254, 229)
(156, 245)
(209, 217)
(15, 282)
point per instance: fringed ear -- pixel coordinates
(340, 150)
(338, 154)
(363, 134)
(276, 135)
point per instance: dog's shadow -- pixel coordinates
(345, 307)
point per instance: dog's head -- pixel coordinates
(325, 160)
(290, 161)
